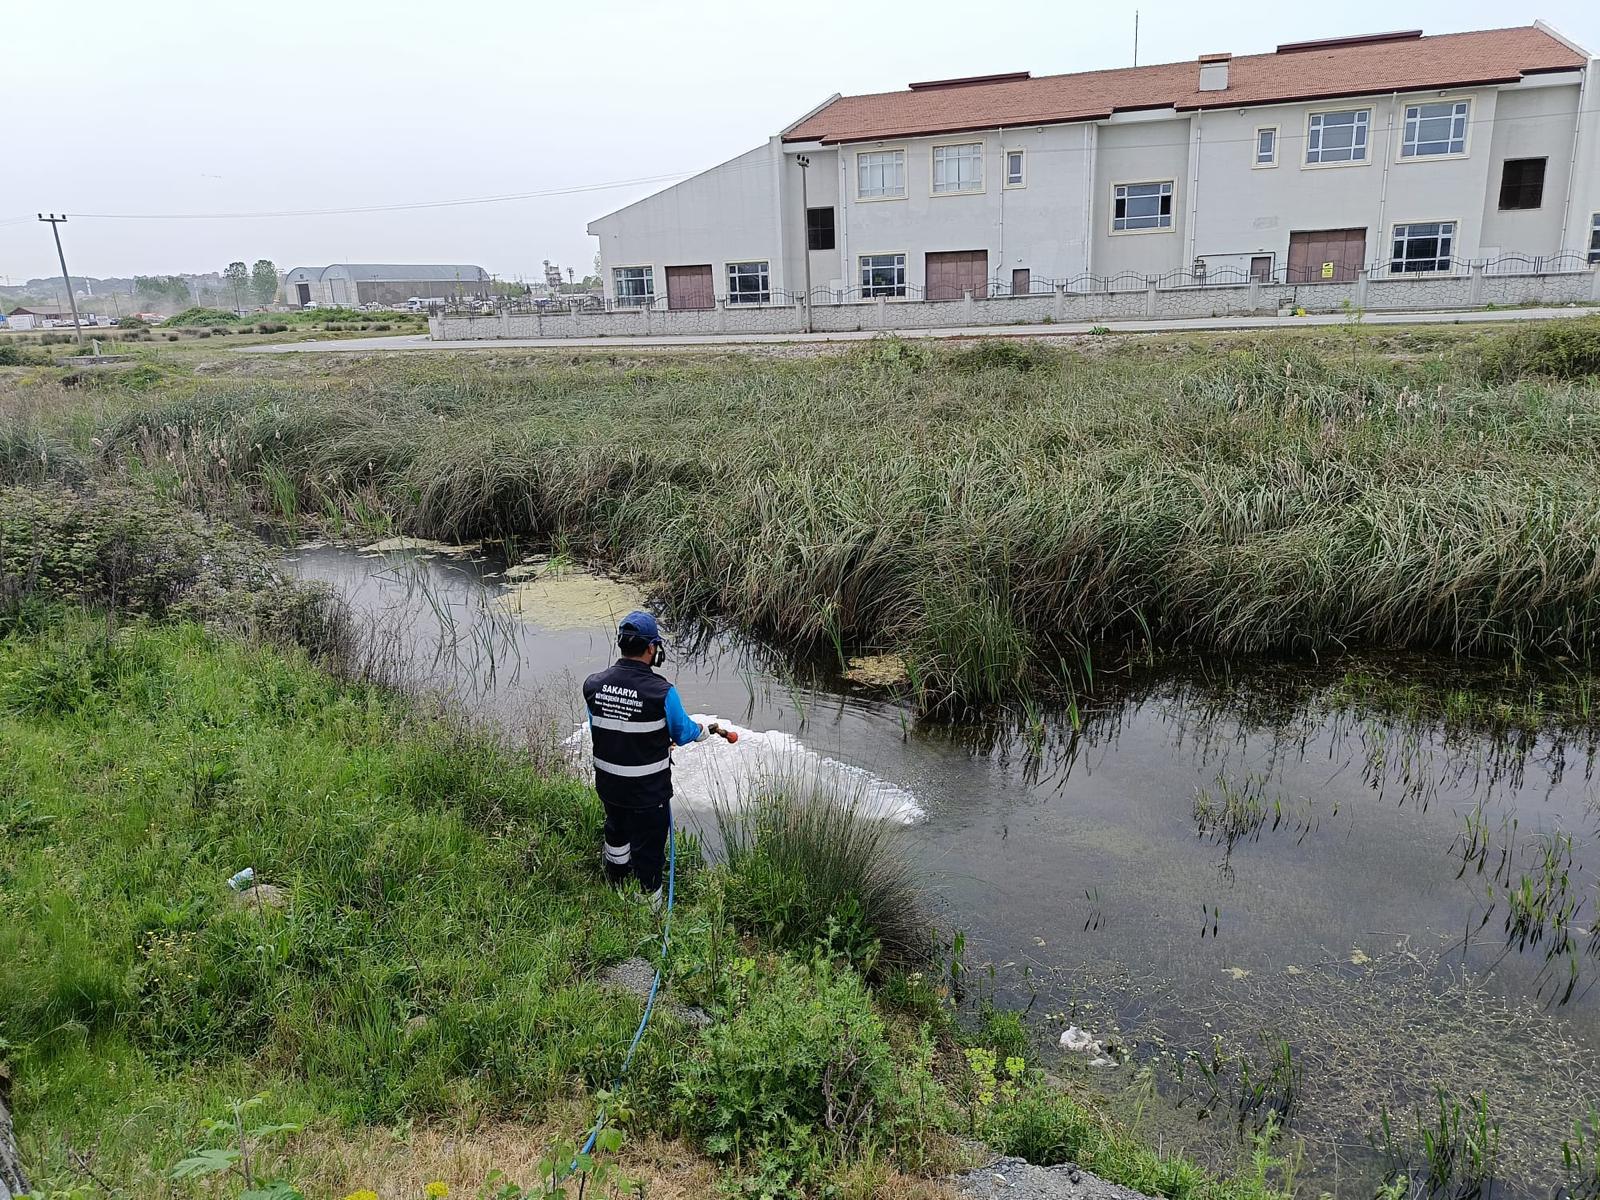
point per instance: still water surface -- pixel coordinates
(1104, 879)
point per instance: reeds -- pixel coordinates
(989, 516)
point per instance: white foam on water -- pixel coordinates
(717, 772)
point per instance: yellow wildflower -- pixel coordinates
(437, 1190)
(363, 1194)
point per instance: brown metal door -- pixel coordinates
(303, 290)
(690, 287)
(953, 273)
(1261, 268)
(1310, 249)
(1021, 282)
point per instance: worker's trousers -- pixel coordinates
(636, 843)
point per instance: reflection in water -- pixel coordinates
(1385, 869)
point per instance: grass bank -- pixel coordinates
(429, 963)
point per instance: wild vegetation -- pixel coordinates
(1001, 515)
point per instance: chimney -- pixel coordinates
(1214, 72)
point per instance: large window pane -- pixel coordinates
(819, 228)
(1142, 206)
(958, 168)
(1338, 136)
(880, 173)
(748, 283)
(883, 275)
(1427, 246)
(1522, 183)
(1435, 129)
(633, 285)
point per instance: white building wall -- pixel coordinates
(822, 191)
(1531, 122)
(1141, 150)
(723, 215)
(1584, 204)
(1246, 210)
(1041, 226)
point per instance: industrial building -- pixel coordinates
(350, 285)
(1381, 156)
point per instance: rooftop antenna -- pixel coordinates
(1136, 37)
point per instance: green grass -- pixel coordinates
(993, 516)
(438, 955)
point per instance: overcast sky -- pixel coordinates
(181, 108)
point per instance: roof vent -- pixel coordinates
(968, 80)
(1363, 39)
(1214, 72)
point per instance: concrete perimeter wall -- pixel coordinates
(1419, 293)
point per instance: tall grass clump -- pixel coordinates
(810, 865)
(1554, 349)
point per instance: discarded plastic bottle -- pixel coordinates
(244, 879)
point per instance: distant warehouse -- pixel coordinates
(350, 284)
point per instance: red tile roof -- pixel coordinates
(1305, 71)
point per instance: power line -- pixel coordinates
(374, 208)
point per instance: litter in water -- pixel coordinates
(421, 545)
(1080, 1041)
(715, 772)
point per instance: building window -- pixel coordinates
(883, 275)
(633, 285)
(819, 228)
(1594, 239)
(880, 174)
(958, 168)
(1522, 183)
(1433, 129)
(1015, 168)
(1142, 206)
(1424, 247)
(1267, 146)
(748, 283)
(1338, 137)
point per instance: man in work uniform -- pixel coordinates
(635, 718)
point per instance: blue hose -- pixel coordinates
(650, 1001)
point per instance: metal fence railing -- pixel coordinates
(999, 287)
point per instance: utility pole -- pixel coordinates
(805, 223)
(55, 228)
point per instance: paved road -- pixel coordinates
(421, 342)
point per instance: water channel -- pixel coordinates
(1200, 869)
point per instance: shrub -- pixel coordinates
(1561, 349)
(135, 551)
(172, 337)
(203, 316)
(134, 323)
(13, 355)
(800, 1074)
(1003, 354)
(810, 867)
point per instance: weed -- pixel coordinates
(808, 866)
(1451, 1153)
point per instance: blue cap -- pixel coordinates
(640, 624)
